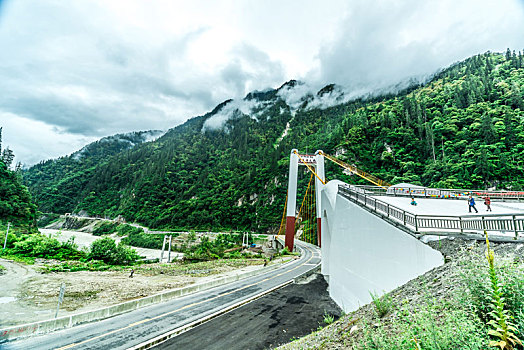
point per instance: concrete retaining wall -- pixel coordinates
(362, 253)
(47, 326)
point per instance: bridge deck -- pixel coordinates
(453, 207)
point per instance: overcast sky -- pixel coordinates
(74, 71)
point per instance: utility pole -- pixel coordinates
(7, 232)
(169, 250)
(163, 248)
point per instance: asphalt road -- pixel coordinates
(133, 328)
(291, 312)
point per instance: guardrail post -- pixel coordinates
(460, 223)
(425, 194)
(483, 224)
(515, 227)
(387, 209)
(404, 217)
(375, 203)
(416, 223)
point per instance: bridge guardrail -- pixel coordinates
(446, 193)
(440, 224)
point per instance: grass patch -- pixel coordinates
(383, 304)
(328, 319)
(8, 255)
(432, 326)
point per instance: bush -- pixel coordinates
(108, 251)
(47, 247)
(125, 230)
(46, 219)
(285, 251)
(11, 240)
(477, 295)
(104, 228)
(137, 238)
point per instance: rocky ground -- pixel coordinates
(438, 284)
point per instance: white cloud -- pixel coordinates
(93, 68)
(231, 110)
(382, 44)
(33, 140)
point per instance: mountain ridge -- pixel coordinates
(233, 175)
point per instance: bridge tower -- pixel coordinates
(315, 163)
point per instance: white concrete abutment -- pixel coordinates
(362, 253)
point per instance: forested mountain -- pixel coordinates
(228, 169)
(56, 183)
(16, 205)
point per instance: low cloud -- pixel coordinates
(42, 141)
(233, 109)
(390, 42)
(87, 69)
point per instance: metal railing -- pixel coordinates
(445, 193)
(436, 224)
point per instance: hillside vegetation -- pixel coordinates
(16, 205)
(228, 169)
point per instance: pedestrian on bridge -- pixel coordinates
(487, 201)
(471, 203)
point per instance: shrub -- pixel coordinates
(104, 228)
(477, 294)
(125, 229)
(108, 251)
(11, 240)
(47, 247)
(138, 238)
(285, 251)
(502, 327)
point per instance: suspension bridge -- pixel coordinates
(372, 238)
(437, 214)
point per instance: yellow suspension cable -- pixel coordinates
(306, 229)
(283, 217)
(308, 223)
(303, 200)
(313, 217)
(306, 217)
(308, 233)
(310, 169)
(371, 178)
